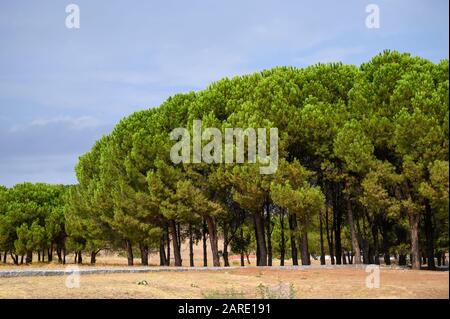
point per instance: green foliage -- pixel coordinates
(371, 139)
(31, 217)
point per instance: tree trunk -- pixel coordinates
(366, 252)
(80, 257)
(162, 252)
(304, 249)
(261, 239)
(205, 252)
(269, 234)
(14, 258)
(322, 249)
(4, 257)
(29, 257)
(386, 255)
(64, 255)
(402, 260)
(364, 241)
(292, 227)
(337, 221)
(39, 256)
(129, 248)
(258, 256)
(179, 236)
(59, 254)
(168, 247)
(337, 235)
(429, 236)
(93, 257)
(225, 245)
(191, 247)
(344, 259)
(376, 253)
(371, 255)
(226, 261)
(283, 240)
(329, 239)
(50, 254)
(144, 254)
(355, 244)
(242, 247)
(212, 230)
(176, 248)
(414, 228)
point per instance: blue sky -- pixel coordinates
(61, 89)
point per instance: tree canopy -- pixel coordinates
(363, 170)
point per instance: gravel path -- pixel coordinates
(70, 269)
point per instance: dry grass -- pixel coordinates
(244, 282)
(311, 283)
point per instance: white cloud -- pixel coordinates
(74, 123)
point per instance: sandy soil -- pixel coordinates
(234, 283)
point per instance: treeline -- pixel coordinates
(32, 221)
(363, 174)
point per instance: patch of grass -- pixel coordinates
(280, 291)
(229, 293)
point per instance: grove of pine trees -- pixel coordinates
(363, 175)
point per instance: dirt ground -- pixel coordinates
(234, 283)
